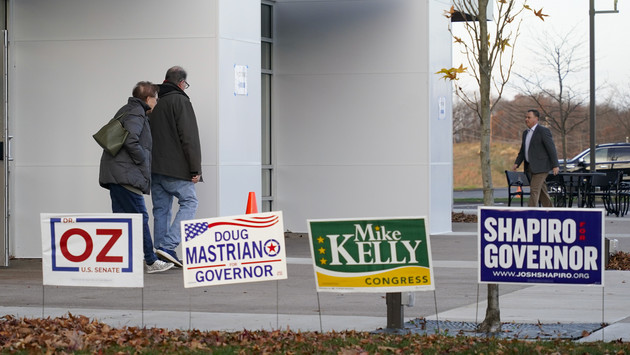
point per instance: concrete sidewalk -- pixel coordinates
(294, 303)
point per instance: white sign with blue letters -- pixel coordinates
(236, 249)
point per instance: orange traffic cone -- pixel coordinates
(251, 203)
(518, 191)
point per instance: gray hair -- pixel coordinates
(175, 75)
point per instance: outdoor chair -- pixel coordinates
(614, 193)
(516, 181)
(619, 194)
(601, 187)
(557, 190)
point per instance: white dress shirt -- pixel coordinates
(528, 138)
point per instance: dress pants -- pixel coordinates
(538, 190)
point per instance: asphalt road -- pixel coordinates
(501, 192)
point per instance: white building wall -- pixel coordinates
(73, 63)
(356, 129)
(440, 114)
(354, 104)
(239, 115)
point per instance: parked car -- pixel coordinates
(608, 157)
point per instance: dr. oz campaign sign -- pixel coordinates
(541, 246)
(371, 255)
(235, 249)
(92, 250)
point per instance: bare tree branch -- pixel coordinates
(547, 84)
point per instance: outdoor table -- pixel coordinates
(578, 182)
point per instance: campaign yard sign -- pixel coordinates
(371, 255)
(236, 249)
(92, 250)
(541, 246)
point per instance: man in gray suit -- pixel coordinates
(539, 154)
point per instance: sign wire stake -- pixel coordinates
(142, 306)
(477, 307)
(437, 318)
(189, 310)
(43, 299)
(319, 310)
(603, 308)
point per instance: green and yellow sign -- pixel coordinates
(371, 255)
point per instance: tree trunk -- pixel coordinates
(486, 163)
(485, 73)
(492, 322)
(493, 319)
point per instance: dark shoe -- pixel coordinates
(169, 256)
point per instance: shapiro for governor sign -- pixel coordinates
(371, 255)
(541, 246)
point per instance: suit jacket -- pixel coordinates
(542, 151)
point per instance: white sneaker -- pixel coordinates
(169, 256)
(158, 266)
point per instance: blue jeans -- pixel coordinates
(163, 189)
(125, 201)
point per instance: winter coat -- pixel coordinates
(132, 165)
(176, 145)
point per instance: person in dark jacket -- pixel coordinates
(176, 164)
(538, 152)
(127, 175)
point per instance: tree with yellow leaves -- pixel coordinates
(489, 51)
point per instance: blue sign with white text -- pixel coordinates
(541, 246)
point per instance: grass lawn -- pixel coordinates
(467, 165)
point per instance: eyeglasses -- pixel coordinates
(187, 85)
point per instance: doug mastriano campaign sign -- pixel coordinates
(235, 249)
